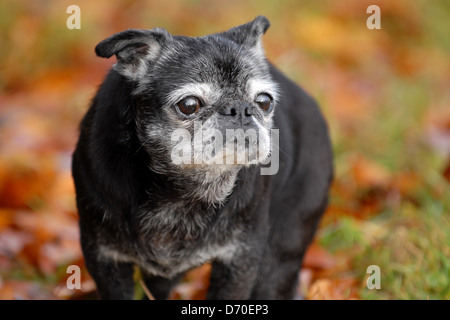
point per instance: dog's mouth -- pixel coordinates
(242, 152)
(235, 148)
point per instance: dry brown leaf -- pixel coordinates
(6, 218)
(12, 242)
(446, 172)
(25, 179)
(338, 289)
(318, 258)
(367, 173)
(195, 284)
(23, 290)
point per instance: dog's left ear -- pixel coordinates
(248, 34)
(136, 50)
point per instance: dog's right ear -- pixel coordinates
(248, 34)
(135, 50)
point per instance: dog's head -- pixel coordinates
(203, 103)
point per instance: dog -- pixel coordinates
(150, 196)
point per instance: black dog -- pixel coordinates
(150, 195)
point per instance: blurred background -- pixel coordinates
(385, 94)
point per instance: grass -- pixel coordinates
(410, 247)
(409, 239)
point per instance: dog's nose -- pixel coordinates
(237, 110)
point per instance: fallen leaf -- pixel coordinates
(337, 289)
(6, 218)
(24, 179)
(446, 172)
(12, 242)
(195, 284)
(24, 290)
(367, 173)
(318, 258)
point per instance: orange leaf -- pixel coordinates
(318, 258)
(368, 173)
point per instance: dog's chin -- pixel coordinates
(214, 177)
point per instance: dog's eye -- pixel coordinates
(264, 101)
(189, 105)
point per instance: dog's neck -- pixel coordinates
(209, 185)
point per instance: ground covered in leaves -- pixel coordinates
(384, 92)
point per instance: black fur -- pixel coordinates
(134, 214)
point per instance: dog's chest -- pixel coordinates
(174, 239)
(170, 260)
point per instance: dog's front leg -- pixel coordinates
(114, 279)
(234, 279)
